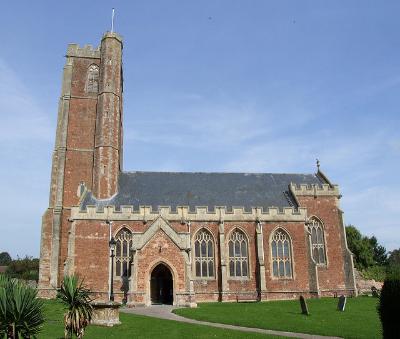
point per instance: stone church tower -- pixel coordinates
(88, 148)
(180, 237)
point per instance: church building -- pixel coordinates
(180, 238)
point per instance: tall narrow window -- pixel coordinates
(92, 85)
(204, 254)
(122, 253)
(238, 254)
(281, 256)
(317, 241)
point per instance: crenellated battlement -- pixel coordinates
(87, 51)
(314, 190)
(183, 213)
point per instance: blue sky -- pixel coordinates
(252, 86)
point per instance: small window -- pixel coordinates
(122, 253)
(317, 241)
(92, 85)
(238, 254)
(281, 256)
(204, 254)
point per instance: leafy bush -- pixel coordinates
(5, 258)
(394, 258)
(21, 313)
(26, 268)
(79, 309)
(389, 306)
(377, 273)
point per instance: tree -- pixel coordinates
(21, 312)
(394, 258)
(5, 259)
(380, 255)
(79, 309)
(361, 248)
(25, 269)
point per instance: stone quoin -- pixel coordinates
(181, 238)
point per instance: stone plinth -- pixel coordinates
(106, 313)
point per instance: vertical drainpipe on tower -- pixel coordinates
(109, 255)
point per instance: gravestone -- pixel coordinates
(342, 303)
(304, 307)
(375, 292)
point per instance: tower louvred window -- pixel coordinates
(238, 255)
(122, 251)
(204, 254)
(92, 85)
(281, 255)
(317, 241)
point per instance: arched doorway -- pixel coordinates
(161, 285)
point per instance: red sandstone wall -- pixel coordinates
(45, 249)
(236, 285)
(287, 288)
(207, 289)
(92, 254)
(331, 276)
(81, 130)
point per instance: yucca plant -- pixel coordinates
(21, 313)
(77, 299)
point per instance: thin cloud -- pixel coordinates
(22, 118)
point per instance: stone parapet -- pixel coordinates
(314, 190)
(113, 35)
(183, 214)
(87, 51)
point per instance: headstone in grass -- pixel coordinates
(375, 292)
(304, 307)
(342, 303)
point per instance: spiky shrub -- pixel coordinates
(389, 306)
(77, 300)
(21, 313)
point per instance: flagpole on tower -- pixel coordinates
(112, 20)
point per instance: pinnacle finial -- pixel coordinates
(112, 20)
(318, 164)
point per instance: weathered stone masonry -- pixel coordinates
(269, 236)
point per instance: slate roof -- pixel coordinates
(203, 189)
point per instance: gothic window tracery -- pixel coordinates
(92, 85)
(317, 241)
(122, 253)
(281, 255)
(204, 254)
(238, 254)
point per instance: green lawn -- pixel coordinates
(134, 326)
(359, 320)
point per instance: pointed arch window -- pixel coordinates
(281, 255)
(204, 254)
(122, 253)
(317, 241)
(92, 85)
(238, 254)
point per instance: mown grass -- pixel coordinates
(359, 320)
(134, 326)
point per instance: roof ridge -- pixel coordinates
(188, 172)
